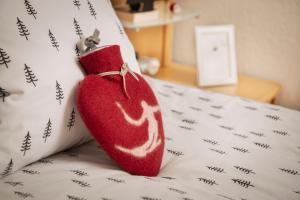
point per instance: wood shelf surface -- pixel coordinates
(164, 19)
(247, 86)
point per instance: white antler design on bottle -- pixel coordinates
(153, 137)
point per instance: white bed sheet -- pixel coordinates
(217, 147)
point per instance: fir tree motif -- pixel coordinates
(177, 93)
(208, 181)
(177, 190)
(297, 192)
(30, 171)
(274, 117)
(48, 130)
(121, 30)
(177, 112)
(26, 143)
(23, 195)
(218, 151)
(116, 180)
(250, 108)
(213, 142)
(256, 133)
(30, 9)
(91, 8)
(45, 161)
(217, 107)
(71, 122)
(79, 172)
(77, 3)
(289, 171)
(53, 40)
(189, 121)
(71, 197)
(59, 92)
(284, 133)
(204, 99)
(195, 108)
(244, 170)
(226, 197)
(14, 183)
(163, 94)
(240, 135)
(4, 58)
(8, 168)
(81, 183)
(265, 146)
(243, 183)
(23, 31)
(175, 153)
(215, 116)
(243, 150)
(78, 30)
(168, 177)
(29, 75)
(216, 169)
(185, 127)
(149, 178)
(226, 127)
(77, 51)
(149, 198)
(185, 198)
(3, 94)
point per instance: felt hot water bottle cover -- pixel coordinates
(121, 112)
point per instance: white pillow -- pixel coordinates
(39, 73)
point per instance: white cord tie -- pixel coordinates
(124, 70)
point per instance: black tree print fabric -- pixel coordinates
(30, 76)
(23, 31)
(53, 40)
(26, 143)
(77, 51)
(77, 4)
(8, 168)
(59, 93)
(205, 158)
(4, 58)
(30, 9)
(47, 131)
(71, 121)
(3, 94)
(39, 75)
(91, 8)
(77, 28)
(216, 145)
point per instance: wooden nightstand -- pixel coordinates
(155, 38)
(247, 87)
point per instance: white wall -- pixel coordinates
(267, 39)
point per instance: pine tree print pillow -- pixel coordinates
(39, 74)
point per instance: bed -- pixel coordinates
(217, 147)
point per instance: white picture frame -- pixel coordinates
(216, 55)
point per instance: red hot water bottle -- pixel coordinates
(121, 112)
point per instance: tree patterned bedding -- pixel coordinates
(217, 147)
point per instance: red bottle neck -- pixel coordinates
(102, 60)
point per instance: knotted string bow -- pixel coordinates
(123, 71)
